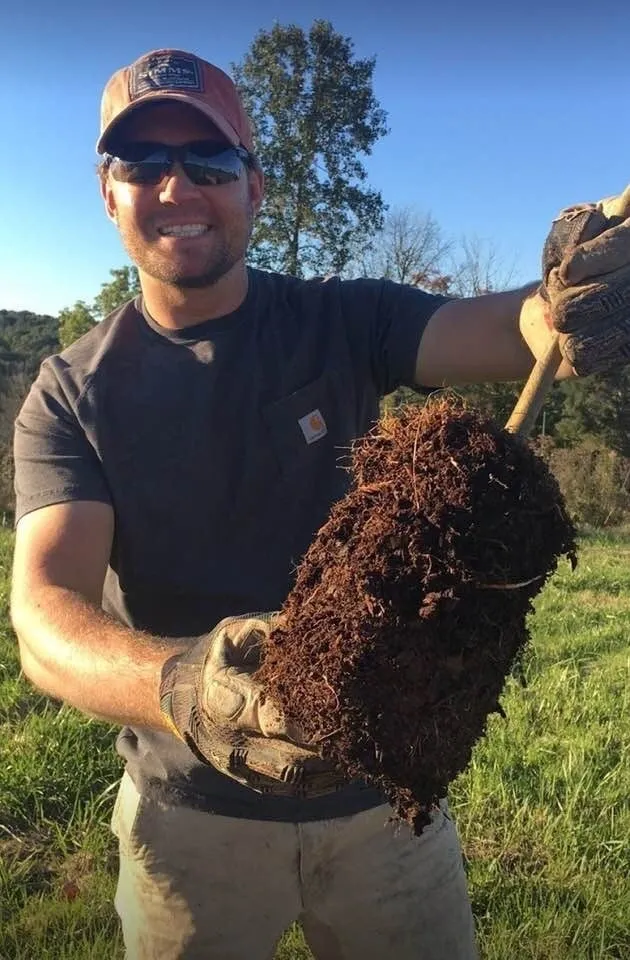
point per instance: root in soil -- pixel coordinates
(409, 609)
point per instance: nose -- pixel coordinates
(176, 187)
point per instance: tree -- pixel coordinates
(25, 340)
(410, 248)
(478, 268)
(124, 286)
(74, 322)
(314, 114)
(596, 406)
(77, 320)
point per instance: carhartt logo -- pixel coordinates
(313, 426)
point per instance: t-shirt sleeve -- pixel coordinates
(54, 460)
(387, 321)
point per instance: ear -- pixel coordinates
(256, 187)
(108, 199)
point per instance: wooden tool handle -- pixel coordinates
(532, 397)
(529, 404)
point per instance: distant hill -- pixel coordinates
(26, 339)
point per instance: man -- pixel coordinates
(172, 467)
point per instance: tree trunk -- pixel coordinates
(293, 253)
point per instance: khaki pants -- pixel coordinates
(195, 886)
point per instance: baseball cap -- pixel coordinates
(174, 75)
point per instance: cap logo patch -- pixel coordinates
(313, 426)
(165, 72)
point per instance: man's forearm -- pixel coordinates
(75, 652)
(480, 340)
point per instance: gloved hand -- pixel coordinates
(586, 281)
(212, 703)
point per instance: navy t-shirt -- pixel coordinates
(221, 449)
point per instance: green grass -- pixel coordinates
(543, 809)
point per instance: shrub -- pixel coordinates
(594, 480)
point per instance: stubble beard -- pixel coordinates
(223, 259)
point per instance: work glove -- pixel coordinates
(213, 704)
(586, 281)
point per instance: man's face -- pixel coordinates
(146, 215)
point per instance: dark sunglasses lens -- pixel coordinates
(212, 171)
(149, 171)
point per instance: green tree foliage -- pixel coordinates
(597, 407)
(314, 116)
(124, 286)
(77, 320)
(74, 322)
(25, 339)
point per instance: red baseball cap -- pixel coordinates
(174, 75)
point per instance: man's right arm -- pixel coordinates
(69, 647)
(74, 652)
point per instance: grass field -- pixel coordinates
(543, 810)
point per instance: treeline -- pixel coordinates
(25, 339)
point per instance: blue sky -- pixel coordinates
(497, 117)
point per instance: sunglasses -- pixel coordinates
(205, 163)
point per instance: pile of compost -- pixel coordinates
(409, 609)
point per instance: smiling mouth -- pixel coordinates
(184, 230)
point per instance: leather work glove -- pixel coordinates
(212, 703)
(586, 281)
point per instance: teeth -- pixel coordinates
(184, 230)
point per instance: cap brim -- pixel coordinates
(219, 121)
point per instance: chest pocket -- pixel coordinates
(310, 430)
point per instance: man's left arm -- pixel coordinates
(584, 295)
(495, 337)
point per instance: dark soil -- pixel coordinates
(409, 609)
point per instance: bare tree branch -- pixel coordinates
(409, 249)
(478, 268)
